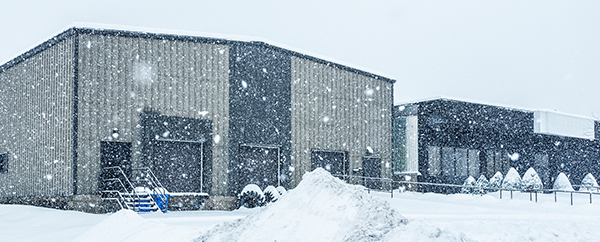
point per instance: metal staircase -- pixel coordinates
(142, 193)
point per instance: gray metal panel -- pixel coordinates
(259, 111)
(36, 112)
(333, 109)
(122, 76)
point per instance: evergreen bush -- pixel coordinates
(482, 183)
(469, 182)
(251, 197)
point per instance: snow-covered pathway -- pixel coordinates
(432, 217)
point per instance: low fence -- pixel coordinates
(453, 188)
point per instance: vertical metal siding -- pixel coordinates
(36, 114)
(354, 120)
(187, 79)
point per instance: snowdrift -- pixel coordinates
(127, 225)
(320, 208)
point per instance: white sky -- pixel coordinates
(532, 54)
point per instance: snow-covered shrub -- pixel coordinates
(496, 180)
(271, 194)
(512, 180)
(562, 183)
(531, 180)
(481, 183)
(588, 183)
(320, 208)
(281, 190)
(251, 197)
(470, 181)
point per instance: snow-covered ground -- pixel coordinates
(310, 213)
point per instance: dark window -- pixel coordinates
(399, 144)
(335, 162)
(456, 163)
(3, 162)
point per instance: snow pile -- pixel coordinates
(562, 183)
(512, 180)
(320, 208)
(588, 183)
(126, 225)
(120, 224)
(496, 180)
(531, 180)
(422, 230)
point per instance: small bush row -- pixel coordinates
(252, 196)
(529, 181)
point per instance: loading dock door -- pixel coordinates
(179, 166)
(114, 154)
(335, 162)
(259, 165)
(372, 168)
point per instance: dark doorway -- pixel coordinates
(372, 168)
(259, 165)
(115, 160)
(179, 151)
(180, 166)
(336, 162)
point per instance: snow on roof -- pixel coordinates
(448, 98)
(229, 37)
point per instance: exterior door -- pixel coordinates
(115, 160)
(179, 166)
(372, 168)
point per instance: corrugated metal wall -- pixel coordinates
(120, 77)
(36, 101)
(335, 109)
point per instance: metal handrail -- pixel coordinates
(511, 190)
(122, 173)
(118, 200)
(152, 175)
(120, 195)
(156, 184)
(125, 188)
(131, 197)
(588, 187)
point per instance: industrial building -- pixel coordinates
(205, 115)
(445, 140)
